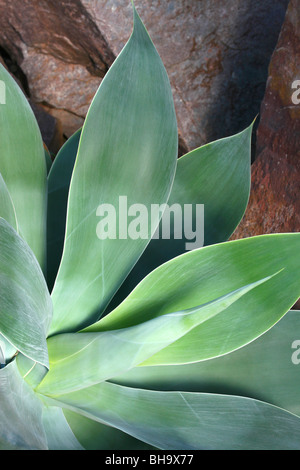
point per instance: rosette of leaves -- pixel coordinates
(136, 343)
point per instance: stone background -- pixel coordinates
(228, 62)
(216, 54)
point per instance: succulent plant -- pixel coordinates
(111, 336)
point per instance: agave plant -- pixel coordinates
(135, 342)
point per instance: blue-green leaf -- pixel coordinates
(23, 165)
(123, 152)
(25, 303)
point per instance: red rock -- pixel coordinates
(216, 54)
(274, 204)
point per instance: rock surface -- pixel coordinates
(60, 51)
(216, 55)
(50, 127)
(274, 204)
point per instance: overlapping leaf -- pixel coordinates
(7, 210)
(123, 151)
(211, 175)
(23, 165)
(266, 369)
(216, 176)
(58, 190)
(198, 277)
(77, 362)
(181, 420)
(20, 413)
(7, 351)
(97, 436)
(25, 303)
(58, 432)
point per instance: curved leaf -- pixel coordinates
(58, 189)
(20, 413)
(7, 351)
(7, 210)
(76, 360)
(181, 420)
(199, 276)
(216, 175)
(266, 369)
(58, 432)
(97, 436)
(123, 152)
(25, 303)
(31, 371)
(23, 165)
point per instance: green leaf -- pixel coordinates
(31, 371)
(267, 369)
(205, 274)
(25, 303)
(58, 190)
(76, 360)
(20, 413)
(58, 432)
(97, 436)
(7, 351)
(23, 166)
(217, 176)
(123, 152)
(7, 210)
(223, 164)
(181, 420)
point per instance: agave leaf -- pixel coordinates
(7, 351)
(31, 371)
(23, 166)
(76, 360)
(97, 436)
(20, 413)
(216, 175)
(123, 152)
(25, 307)
(7, 210)
(58, 189)
(223, 164)
(266, 369)
(58, 432)
(197, 277)
(181, 420)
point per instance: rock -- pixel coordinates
(274, 204)
(59, 29)
(61, 53)
(216, 55)
(49, 126)
(65, 90)
(68, 121)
